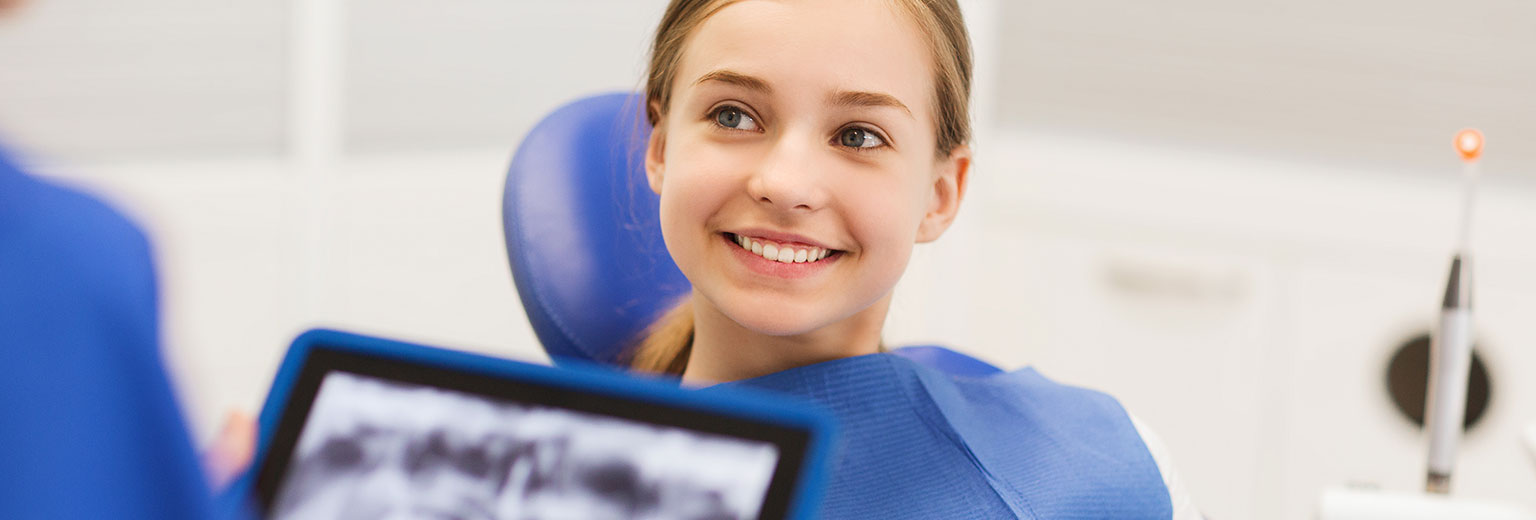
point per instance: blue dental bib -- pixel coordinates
(920, 443)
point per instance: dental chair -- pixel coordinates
(584, 241)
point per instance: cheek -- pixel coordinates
(693, 168)
(678, 222)
(881, 218)
(883, 215)
(692, 192)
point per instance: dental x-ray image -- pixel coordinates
(375, 449)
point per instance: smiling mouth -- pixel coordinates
(782, 253)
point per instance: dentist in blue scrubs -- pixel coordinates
(89, 425)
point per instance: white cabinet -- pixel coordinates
(1182, 338)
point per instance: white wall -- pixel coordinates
(1241, 300)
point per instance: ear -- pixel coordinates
(947, 191)
(655, 151)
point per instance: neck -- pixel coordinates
(723, 350)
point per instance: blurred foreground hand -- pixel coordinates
(232, 450)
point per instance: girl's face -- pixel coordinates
(801, 126)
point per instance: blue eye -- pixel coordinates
(734, 118)
(859, 138)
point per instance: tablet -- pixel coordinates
(362, 427)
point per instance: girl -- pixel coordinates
(800, 149)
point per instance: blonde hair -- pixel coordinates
(665, 346)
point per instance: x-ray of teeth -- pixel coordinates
(379, 449)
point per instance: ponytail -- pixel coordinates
(665, 347)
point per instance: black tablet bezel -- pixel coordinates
(797, 436)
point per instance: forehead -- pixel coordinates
(813, 47)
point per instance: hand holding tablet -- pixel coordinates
(359, 427)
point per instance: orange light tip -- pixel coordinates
(1469, 143)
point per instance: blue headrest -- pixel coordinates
(582, 230)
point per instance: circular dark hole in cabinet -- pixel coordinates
(1408, 380)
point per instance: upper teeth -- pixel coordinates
(782, 253)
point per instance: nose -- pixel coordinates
(788, 178)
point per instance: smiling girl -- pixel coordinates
(796, 156)
(800, 150)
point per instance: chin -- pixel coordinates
(778, 322)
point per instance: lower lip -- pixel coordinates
(767, 267)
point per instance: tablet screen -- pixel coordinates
(382, 438)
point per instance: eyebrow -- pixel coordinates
(867, 99)
(736, 78)
(840, 99)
